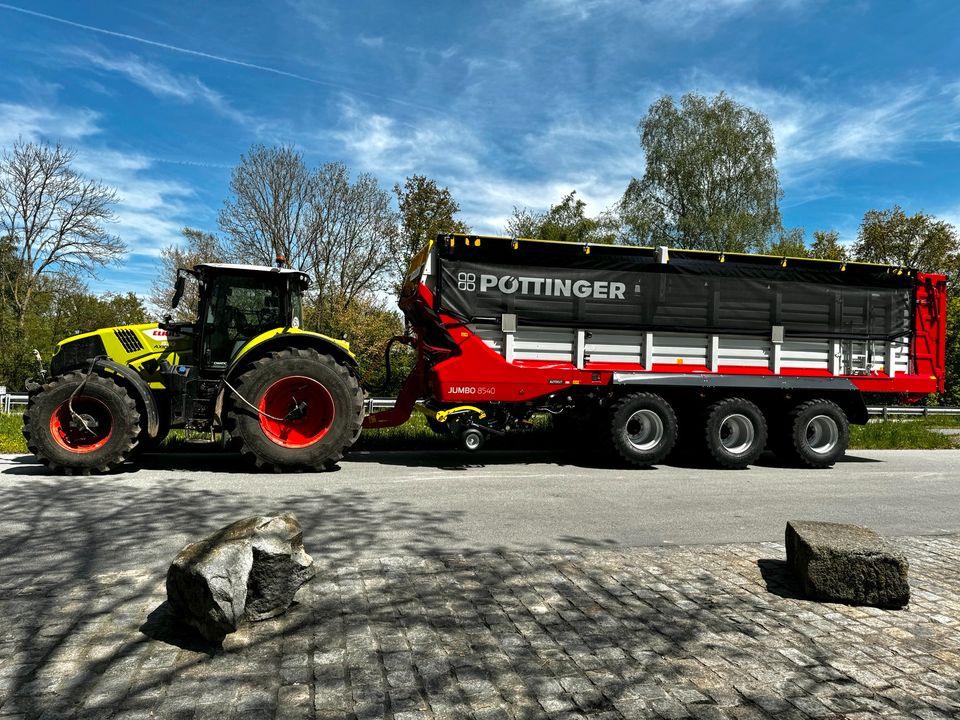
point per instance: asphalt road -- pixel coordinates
(448, 500)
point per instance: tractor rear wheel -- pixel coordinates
(94, 431)
(307, 409)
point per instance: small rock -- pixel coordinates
(248, 570)
(846, 563)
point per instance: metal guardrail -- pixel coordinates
(885, 412)
(8, 400)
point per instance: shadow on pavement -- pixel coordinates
(417, 630)
(542, 451)
(163, 625)
(779, 580)
(82, 564)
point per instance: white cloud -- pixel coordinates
(160, 82)
(389, 148)
(371, 42)
(51, 123)
(313, 14)
(595, 159)
(150, 212)
(678, 15)
(951, 215)
(816, 133)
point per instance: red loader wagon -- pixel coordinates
(638, 347)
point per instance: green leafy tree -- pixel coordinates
(524, 222)
(367, 324)
(62, 306)
(710, 181)
(566, 221)
(826, 245)
(790, 243)
(426, 210)
(952, 394)
(69, 308)
(921, 241)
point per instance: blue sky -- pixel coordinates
(507, 103)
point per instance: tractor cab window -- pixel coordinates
(239, 309)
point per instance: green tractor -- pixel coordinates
(289, 398)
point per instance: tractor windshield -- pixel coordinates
(240, 307)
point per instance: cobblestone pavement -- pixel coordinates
(704, 632)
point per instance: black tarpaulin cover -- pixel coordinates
(559, 284)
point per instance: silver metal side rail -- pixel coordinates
(885, 412)
(7, 400)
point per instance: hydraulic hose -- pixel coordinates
(386, 361)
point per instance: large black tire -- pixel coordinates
(735, 432)
(643, 429)
(99, 436)
(331, 422)
(815, 435)
(147, 444)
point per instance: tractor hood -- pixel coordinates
(130, 345)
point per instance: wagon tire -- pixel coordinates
(816, 434)
(643, 429)
(735, 432)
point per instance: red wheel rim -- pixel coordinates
(71, 434)
(282, 397)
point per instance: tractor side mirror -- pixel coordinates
(178, 291)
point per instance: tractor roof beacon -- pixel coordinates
(244, 366)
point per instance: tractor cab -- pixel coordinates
(236, 304)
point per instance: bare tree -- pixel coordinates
(340, 233)
(269, 214)
(197, 247)
(54, 218)
(353, 230)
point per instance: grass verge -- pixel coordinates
(11, 437)
(912, 434)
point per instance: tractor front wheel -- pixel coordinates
(93, 430)
(297, 409)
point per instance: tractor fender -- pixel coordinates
(279, 339)
(131, 378)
